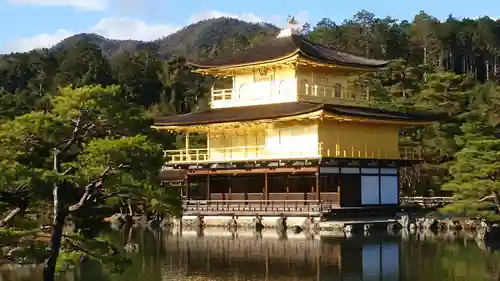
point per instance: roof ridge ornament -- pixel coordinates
(292, 28)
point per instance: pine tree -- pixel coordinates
(476, 169)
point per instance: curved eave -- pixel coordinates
(209, 68)
(311, 60)
(316, 114)
(399, 123)
(312, 114)
(296, 57)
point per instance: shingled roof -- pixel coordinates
(281, 48)
(280, 110)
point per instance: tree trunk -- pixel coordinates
(130, 210)
(49, 268)
(173, 99)
(425, 54)
(496, 198)
(495, 66)
(487, 62)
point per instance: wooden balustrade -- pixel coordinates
(338, 93)
(262, 153)
(288, 207)
(426, 201)
(252, 207)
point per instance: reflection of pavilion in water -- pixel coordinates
(251, 258)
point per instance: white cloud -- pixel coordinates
(129, 28)
(97, 5)
(44, 40)
(113, 28)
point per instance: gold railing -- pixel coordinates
(234, 153)
(404, 152)
(340, 93)
(197, 155)
(222, 94)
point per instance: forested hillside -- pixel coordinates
(446, 67)
(202, 39)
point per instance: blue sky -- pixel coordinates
(29, 24)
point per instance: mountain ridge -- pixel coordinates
(194, 41)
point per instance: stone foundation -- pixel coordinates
(241, 221)
(296, 224)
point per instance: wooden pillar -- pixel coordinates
(187, 146)
(318, 195)
(230, 186)
(266, 190)
(339, 184)
(208, 144)
(208, 187)
(287, 185)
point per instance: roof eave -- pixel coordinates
(353, 67)
(204, 68)
(317, 110)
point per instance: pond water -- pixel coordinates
(246, 255)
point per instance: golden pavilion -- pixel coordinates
(291, 126)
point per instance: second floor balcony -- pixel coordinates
(244, 153)
(336, 93)
(288, 90)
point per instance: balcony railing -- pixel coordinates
(404, 152)
(241, 207)
(234, 153)
(197, 155)
(311, 90)
(338, 92)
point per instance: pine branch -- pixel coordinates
(79, 131)
(74, 135)
(21, 201)
(76, 247)
(489, 197)
(92, 186)
(68, 170)
(111, 195)
(10, 216)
